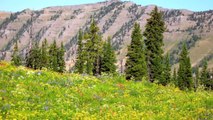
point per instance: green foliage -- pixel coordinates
(46, 57)
(197, 78)
(204, 74)
(184, 71)
(176, 51)
(33, 57)
(36, 51)
(29, 94)
(44, 54)
(60, 59)
(174, 78)
(93, 49)
(53, 60)
(136, 67)
(29, 59)
(154, 42)
(166, 79)
(79, 66)
(108, 59)
(16, 59)
(206, 77)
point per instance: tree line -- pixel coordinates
(49, 57)
(145, 59)
(94, 55)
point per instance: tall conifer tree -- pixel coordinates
(36, 55)
(60, 59)
(33, 57)
(53, 56)
(93, 50)
(79, 66)
(204, 74)
(197, 78)
(136, 67)
(108, 59)
(16, 59)
(184, 71)
(29, 59)
(44, 54)
(174, 78)
(166, 79)
(154, 42)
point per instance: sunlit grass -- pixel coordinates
(29, 94)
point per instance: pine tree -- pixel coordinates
(184, 71)
(16, 59)
(136, 67)
(29, 59)
(108, 59)
(79, 66)
(93, 50)
(197, 78)
(33, 57)
(60, 59)
(204, 74)
(53, 56)
(174, 79)
(154, 42)
(44, 54)
(88, 60)
(36, 56)
(166, 79)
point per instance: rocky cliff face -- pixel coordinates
(115, 19)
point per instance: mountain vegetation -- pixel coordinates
(46, 57)
(136, 65)
(43, 94)
(108, 58)
(16, 59)
(184, 72)
(79, 67)
(154, 43)
(144, 57)
(64, 23)
(37, 85)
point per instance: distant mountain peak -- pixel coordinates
(113, 0)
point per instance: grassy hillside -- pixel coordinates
(28, 94)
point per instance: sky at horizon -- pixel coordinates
(19, 5)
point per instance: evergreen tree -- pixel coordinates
(166, 79)
(185, 71)
(60, 59)
(16, 59)
(33, 57)
(44, 54)
(154, 42)
(209, 82)
(93, 50)
(88, 60)
(174, 80)
(53, 56)
(29, 59)
(204, 74)
(36, 56)
(108, 59)
(79, 66)
(197, 78)
(136, 67)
